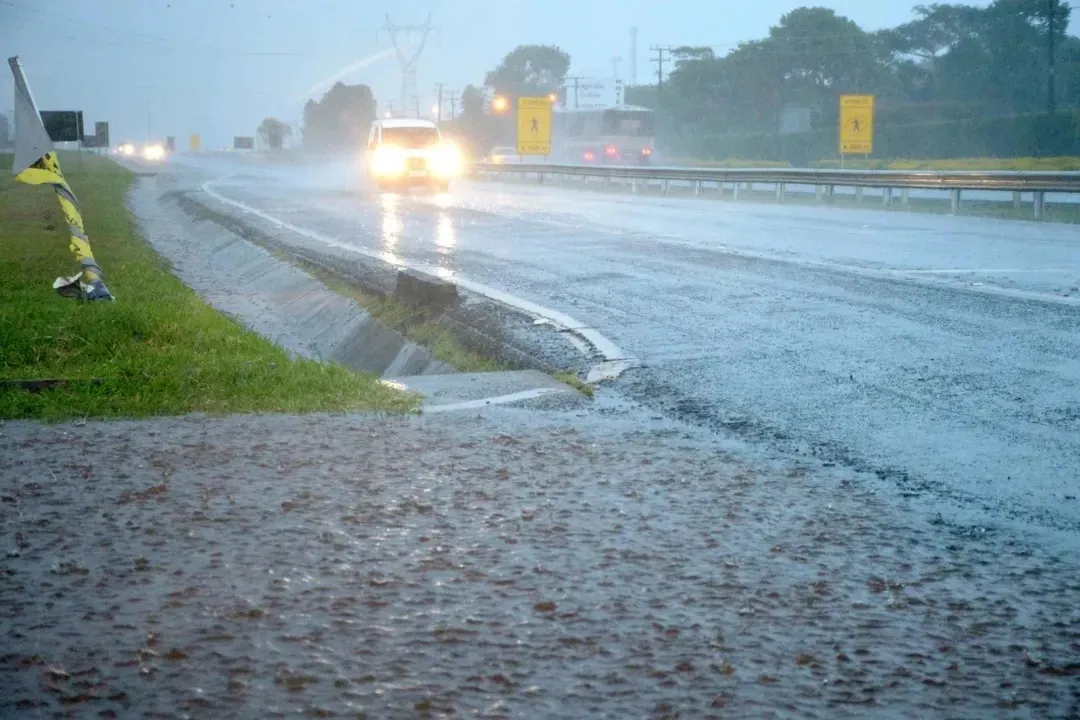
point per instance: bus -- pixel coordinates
(623, 135)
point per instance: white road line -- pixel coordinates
(615, 359)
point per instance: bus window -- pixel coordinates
(632, 123)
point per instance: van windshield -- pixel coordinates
(410, 137)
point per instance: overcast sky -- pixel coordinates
(217, 67)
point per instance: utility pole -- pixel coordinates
(453, 106)
(615, 66)
(633, 56)
(408, 62)
(659, 60)
(438, 104)
(1051, 26)
(576, 79)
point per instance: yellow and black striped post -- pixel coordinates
(36, 164)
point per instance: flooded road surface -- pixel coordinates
(505, 564)
(941, 354)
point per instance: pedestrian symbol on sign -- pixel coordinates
(535, 125)
(855, 126)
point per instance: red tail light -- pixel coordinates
(611, 151)
(589, 155)
(646, 151)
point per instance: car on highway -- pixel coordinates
(405, 153)
(502, 155)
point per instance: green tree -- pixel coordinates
(474, 126)
(273, 132)
(341, 119)
(530, 70)
(823, 55)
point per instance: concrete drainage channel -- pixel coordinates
(250, 273)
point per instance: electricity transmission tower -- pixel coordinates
(408, 61)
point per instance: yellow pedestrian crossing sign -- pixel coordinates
(856, 124)
(534, 126)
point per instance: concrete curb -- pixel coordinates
(274, 298)
(605, 359)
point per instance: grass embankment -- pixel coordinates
(730, 163)
(1029, 164)
(159, 349)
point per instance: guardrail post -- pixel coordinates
(633, 185)
(1017, 197)
(780, 192)
(735, 190)
(830, 190)
(954, 200)
(720, 188)
(819, 192)
(903, 196)
(697, 189)
(886, 197)
(1040, 204)
(540, 178)
(664, 187)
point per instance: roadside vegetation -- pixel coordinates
(1022, 164)
(158, 350)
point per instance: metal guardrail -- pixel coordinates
(824, 181)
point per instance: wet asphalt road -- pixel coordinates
(508, 564)
(941, 354)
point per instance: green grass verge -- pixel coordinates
(570, 378)
(732, 163)
(1029, 164)
(159, 349)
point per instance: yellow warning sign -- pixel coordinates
(856, 124)
(193, 143)
(534, 126)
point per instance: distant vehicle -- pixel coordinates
(153, 151)
(406, 153)
(125, 148)
(503, 154)
(622, 135)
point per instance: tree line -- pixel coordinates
(956, 79)
(952, 61)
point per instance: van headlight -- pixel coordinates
(446, 161)
(153, 152)
(387, 161)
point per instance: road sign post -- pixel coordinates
(534, 126)
(856, 125)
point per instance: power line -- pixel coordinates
(659, 60)
(120, 37)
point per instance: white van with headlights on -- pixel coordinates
(404, 153)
